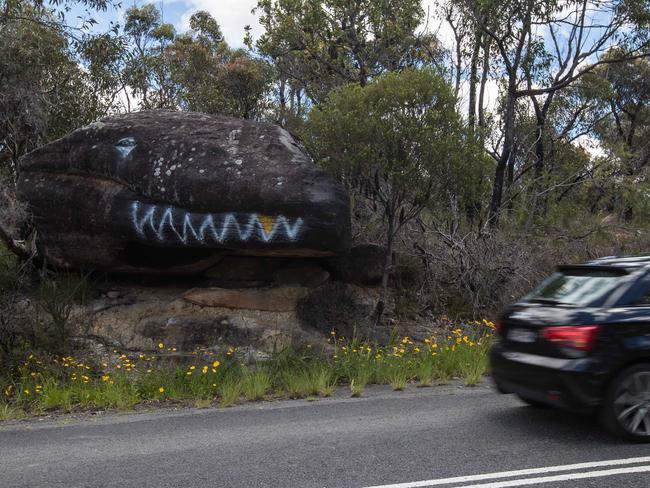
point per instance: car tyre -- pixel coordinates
(626, 411)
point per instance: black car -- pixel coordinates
(581, 341)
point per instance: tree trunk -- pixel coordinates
(504, 160)
(485, 71)
(473, 82)
(283, 102)
(540, 156)
(388, 264)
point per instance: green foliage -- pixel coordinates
(44, 92)
(195, 70)
(399, 139)
(321, 45)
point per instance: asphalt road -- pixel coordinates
(417, 438)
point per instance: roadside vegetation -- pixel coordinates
(62, 384)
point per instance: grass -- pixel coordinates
(8, 412)
(230, 392)
(66, 384)
(255, 384)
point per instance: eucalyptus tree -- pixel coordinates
(44, 92)
(318, 45)
(399, 142)
(543, 47)
(621, 92)
(147, 71)
(215, 78)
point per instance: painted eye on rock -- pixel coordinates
(125, 146)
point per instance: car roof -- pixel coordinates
(627, 262)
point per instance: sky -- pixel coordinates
(232, 15)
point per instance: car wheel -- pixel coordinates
(533, 403)
(626, 412)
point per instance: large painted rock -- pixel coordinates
(172, 192)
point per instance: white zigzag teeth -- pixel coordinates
(168, 224)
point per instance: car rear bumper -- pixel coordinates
(575, 384)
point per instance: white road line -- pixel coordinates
(561, 477)
(521, 472)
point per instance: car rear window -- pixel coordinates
(579, 287)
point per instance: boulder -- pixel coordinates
(173, 192)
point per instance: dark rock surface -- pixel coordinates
(363, 265)
(172, 193)
(305, 275)
(243, 271)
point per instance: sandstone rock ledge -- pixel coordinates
(263, 320)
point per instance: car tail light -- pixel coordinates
(499, 326)
(582, 338)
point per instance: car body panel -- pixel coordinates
(524, 362)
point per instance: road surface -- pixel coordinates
(445, 436)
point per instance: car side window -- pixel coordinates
(644, 298)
